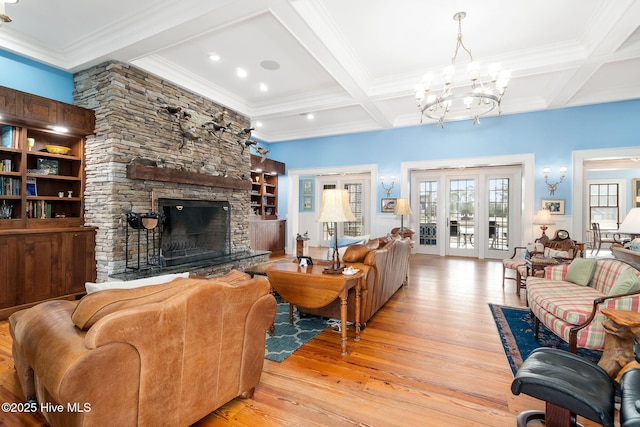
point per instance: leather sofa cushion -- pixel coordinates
(355, 253)
(95, 306)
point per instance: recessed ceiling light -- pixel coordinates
(310, 116)
(269, 65)
(258, 124)
(11, 1)
(264, 87)
(241, 72)
(214, 57)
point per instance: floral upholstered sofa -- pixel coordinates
(569, 298)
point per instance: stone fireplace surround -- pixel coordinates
(132, 123)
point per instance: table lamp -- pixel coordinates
(402, 209)
(543, 219)
(631, 224)
(335, 208)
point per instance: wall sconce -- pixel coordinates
(553, 187)
(388, 190)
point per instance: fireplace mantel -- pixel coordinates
(153, 173)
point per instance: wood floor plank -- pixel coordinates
(430, 357)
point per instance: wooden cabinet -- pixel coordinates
(268, 235)
(266, 231)
(44, 264)
(264, 186)
(45, 252)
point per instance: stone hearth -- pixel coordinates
(133, 123)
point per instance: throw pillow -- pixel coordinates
(355, 253)
(581, 271)
(626, 282)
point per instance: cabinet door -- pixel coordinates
(42, 267)
(8, 103)
(8, 271)
(76, 118)
(79, 260)
(40, 109)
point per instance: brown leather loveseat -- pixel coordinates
(385, 261)
(157, 355)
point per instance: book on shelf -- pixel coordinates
(9, 186)
(32, 188)
(9, 137)
(38, 209)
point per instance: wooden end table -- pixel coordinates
(310, 287)
(535, 264)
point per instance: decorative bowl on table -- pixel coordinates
(57, 149)
(349, 271)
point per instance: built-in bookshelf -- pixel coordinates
(45, 250)
(37, 184)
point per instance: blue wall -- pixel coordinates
(551, 135)
(33, 77)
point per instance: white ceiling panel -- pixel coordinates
(353, 63)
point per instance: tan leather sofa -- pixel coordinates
(385, 262)
(162, 355)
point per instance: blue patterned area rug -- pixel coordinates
(515, 326)
(288, 338)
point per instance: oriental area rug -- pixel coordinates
(288, 338)
(516, 326)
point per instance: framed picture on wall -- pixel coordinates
(307, 203)
(307, 186)
(554, 206)
(635, 193)
(388, 205)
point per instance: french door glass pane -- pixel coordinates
(461, 212)
(428, 212)
(498, 214)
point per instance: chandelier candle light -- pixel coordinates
(466, 103)
(335, 208)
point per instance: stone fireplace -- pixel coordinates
(194, 230)
(139, 156)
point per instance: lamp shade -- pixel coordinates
(543, 217)
(631, 223)
(402, 207)
(335, 207)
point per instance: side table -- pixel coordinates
(310, 287)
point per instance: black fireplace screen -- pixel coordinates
(195, 230)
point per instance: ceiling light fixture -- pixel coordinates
(264, 87)
(482, 98)
(214, 57)
(310, 116)
(241, 72)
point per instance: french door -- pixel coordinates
(474, 212)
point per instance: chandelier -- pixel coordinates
(480, 99)
(4, 18)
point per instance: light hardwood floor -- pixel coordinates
(430, 357)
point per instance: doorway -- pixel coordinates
(479, 213)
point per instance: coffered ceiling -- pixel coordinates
(353, 64)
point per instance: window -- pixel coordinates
(604, 206)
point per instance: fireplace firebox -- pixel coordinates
(194, 230)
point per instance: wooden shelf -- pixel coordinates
(152, 173)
